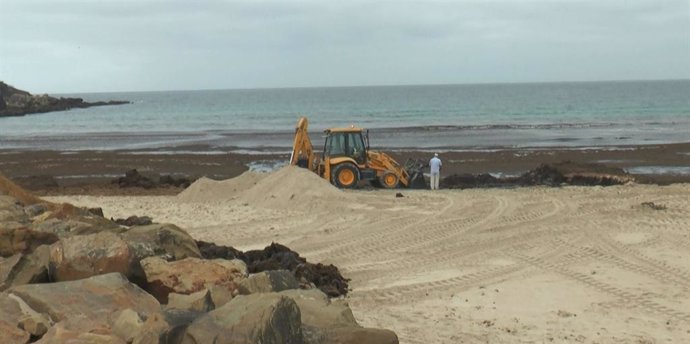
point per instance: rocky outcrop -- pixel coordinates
(15, 102)
(69, 275)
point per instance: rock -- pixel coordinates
(15, 193)
(35, 209)
(326, 322)
(249, 319)
(98, 297)
(134, 221)
(128, 324)
(10, 315)
(399, 195)
(191, 275)
(268, 281)
(153, 331)
(221, 295)
(167, 327)
(11, 210)
(165, 240)
(78, 257)
(15, 238)
(200, 301)
(15, 102)
(318, 311)
(98, 211)
(36, 324)
(359, 335)
(25, 269)
(7, 268)
(55, 226)
(62, 334)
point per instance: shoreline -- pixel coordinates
(90, 172)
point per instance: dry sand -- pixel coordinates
(572, 264)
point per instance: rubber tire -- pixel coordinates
(340, 168)
(387, 186)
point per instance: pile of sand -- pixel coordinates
(288, 188)
(293, 187)
(209, 190)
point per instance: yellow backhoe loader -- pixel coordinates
(347, 159)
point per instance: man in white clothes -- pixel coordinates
(435, 165)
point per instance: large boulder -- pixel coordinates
(25, 269)
(268, 281)
(332, 322)
(249, 319)
(78, 257)
(191, 275)
(165, 240)
(99, 297)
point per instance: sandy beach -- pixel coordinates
(523, 265)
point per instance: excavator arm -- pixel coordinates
(302, 149)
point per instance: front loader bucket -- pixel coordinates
(415, 169)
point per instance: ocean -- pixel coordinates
(434, 117)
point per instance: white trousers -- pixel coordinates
(435, 178)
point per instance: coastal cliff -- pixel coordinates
(16, 102)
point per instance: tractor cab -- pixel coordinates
(346, 143)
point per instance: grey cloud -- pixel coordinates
(64, 45)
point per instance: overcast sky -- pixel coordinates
(135, 45)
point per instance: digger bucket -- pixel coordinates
(415, 169)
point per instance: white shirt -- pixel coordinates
(435, 164)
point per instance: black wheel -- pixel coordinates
(345, 175)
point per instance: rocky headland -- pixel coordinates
(16, 102)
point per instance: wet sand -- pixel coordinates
(90, 172)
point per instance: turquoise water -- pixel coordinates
(452, 117)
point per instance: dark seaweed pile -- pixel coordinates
(278, 257)
(564, 173)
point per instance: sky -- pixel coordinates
(67, 46)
